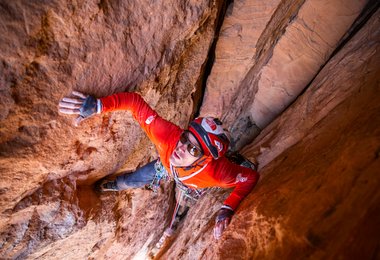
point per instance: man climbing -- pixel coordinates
(194, 158)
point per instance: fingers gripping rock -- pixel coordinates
(224, 213)
(223, 219)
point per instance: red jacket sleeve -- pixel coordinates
(241, 178)
(161, 132)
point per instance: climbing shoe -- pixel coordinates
(108, 186)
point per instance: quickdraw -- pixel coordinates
(193, 194)
(161, 174)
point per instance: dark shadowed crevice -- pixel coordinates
(197, 96)
(371, 8)
(275, 29)
(284, 16)
(243, 129)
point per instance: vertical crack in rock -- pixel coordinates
(275, 29)
(345, 73)
(243, 128)
(198, 95)
(98, 48)
(103, 47)
(369, 10)
(282, 71)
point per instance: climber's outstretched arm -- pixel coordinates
(161, 132)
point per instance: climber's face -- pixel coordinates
(187, 151)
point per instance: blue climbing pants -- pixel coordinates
(137, 179)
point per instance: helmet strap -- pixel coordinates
(196, 163)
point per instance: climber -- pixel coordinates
(194, 158)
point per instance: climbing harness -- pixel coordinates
(162, 174)
(184, 193)
(193, 194)
(188, 192)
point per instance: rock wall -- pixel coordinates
(311, 155)
(50, 48)
(268, 52)
(319, 196)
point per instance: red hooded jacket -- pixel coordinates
(165, 135)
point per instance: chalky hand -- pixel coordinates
(80, 104)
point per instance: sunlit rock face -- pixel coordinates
(268, 52)
(319, 193)
(48, 49)
(318, 196)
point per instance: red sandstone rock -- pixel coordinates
(319, 192)
(279, 61)
(299, 209)
(235, 52)
(50, 48)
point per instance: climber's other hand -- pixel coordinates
(222, 220)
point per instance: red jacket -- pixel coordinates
(165, 136)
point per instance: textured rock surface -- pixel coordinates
(319, 194)
(98, 47)
(263, 64)
(319, 198)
